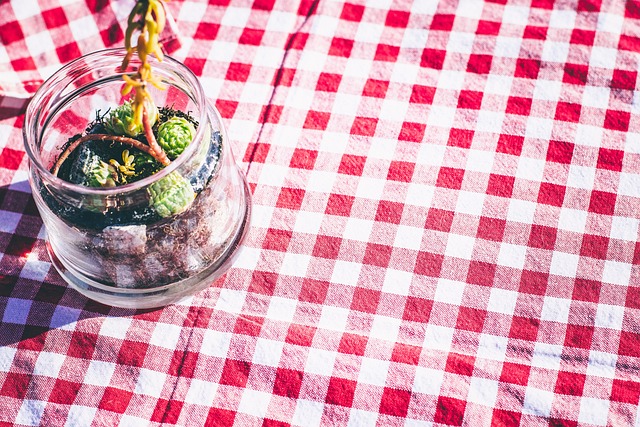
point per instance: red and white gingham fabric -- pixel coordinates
(445, 224)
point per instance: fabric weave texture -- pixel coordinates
(446, 203)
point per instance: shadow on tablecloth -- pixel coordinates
(34, 299)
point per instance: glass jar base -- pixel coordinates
(155, 297)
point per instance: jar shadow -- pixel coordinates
(34, 299)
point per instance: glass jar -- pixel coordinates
(113, 244)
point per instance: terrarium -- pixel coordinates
(141, 198)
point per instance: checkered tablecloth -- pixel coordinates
(445, 222)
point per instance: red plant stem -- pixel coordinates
(161, 156)
(103, 137)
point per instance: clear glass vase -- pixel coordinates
(113, 244)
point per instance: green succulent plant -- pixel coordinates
(100, 173)
(120, 120)
(171, 195)
(174, 135)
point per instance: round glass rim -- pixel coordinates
(35, 105)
